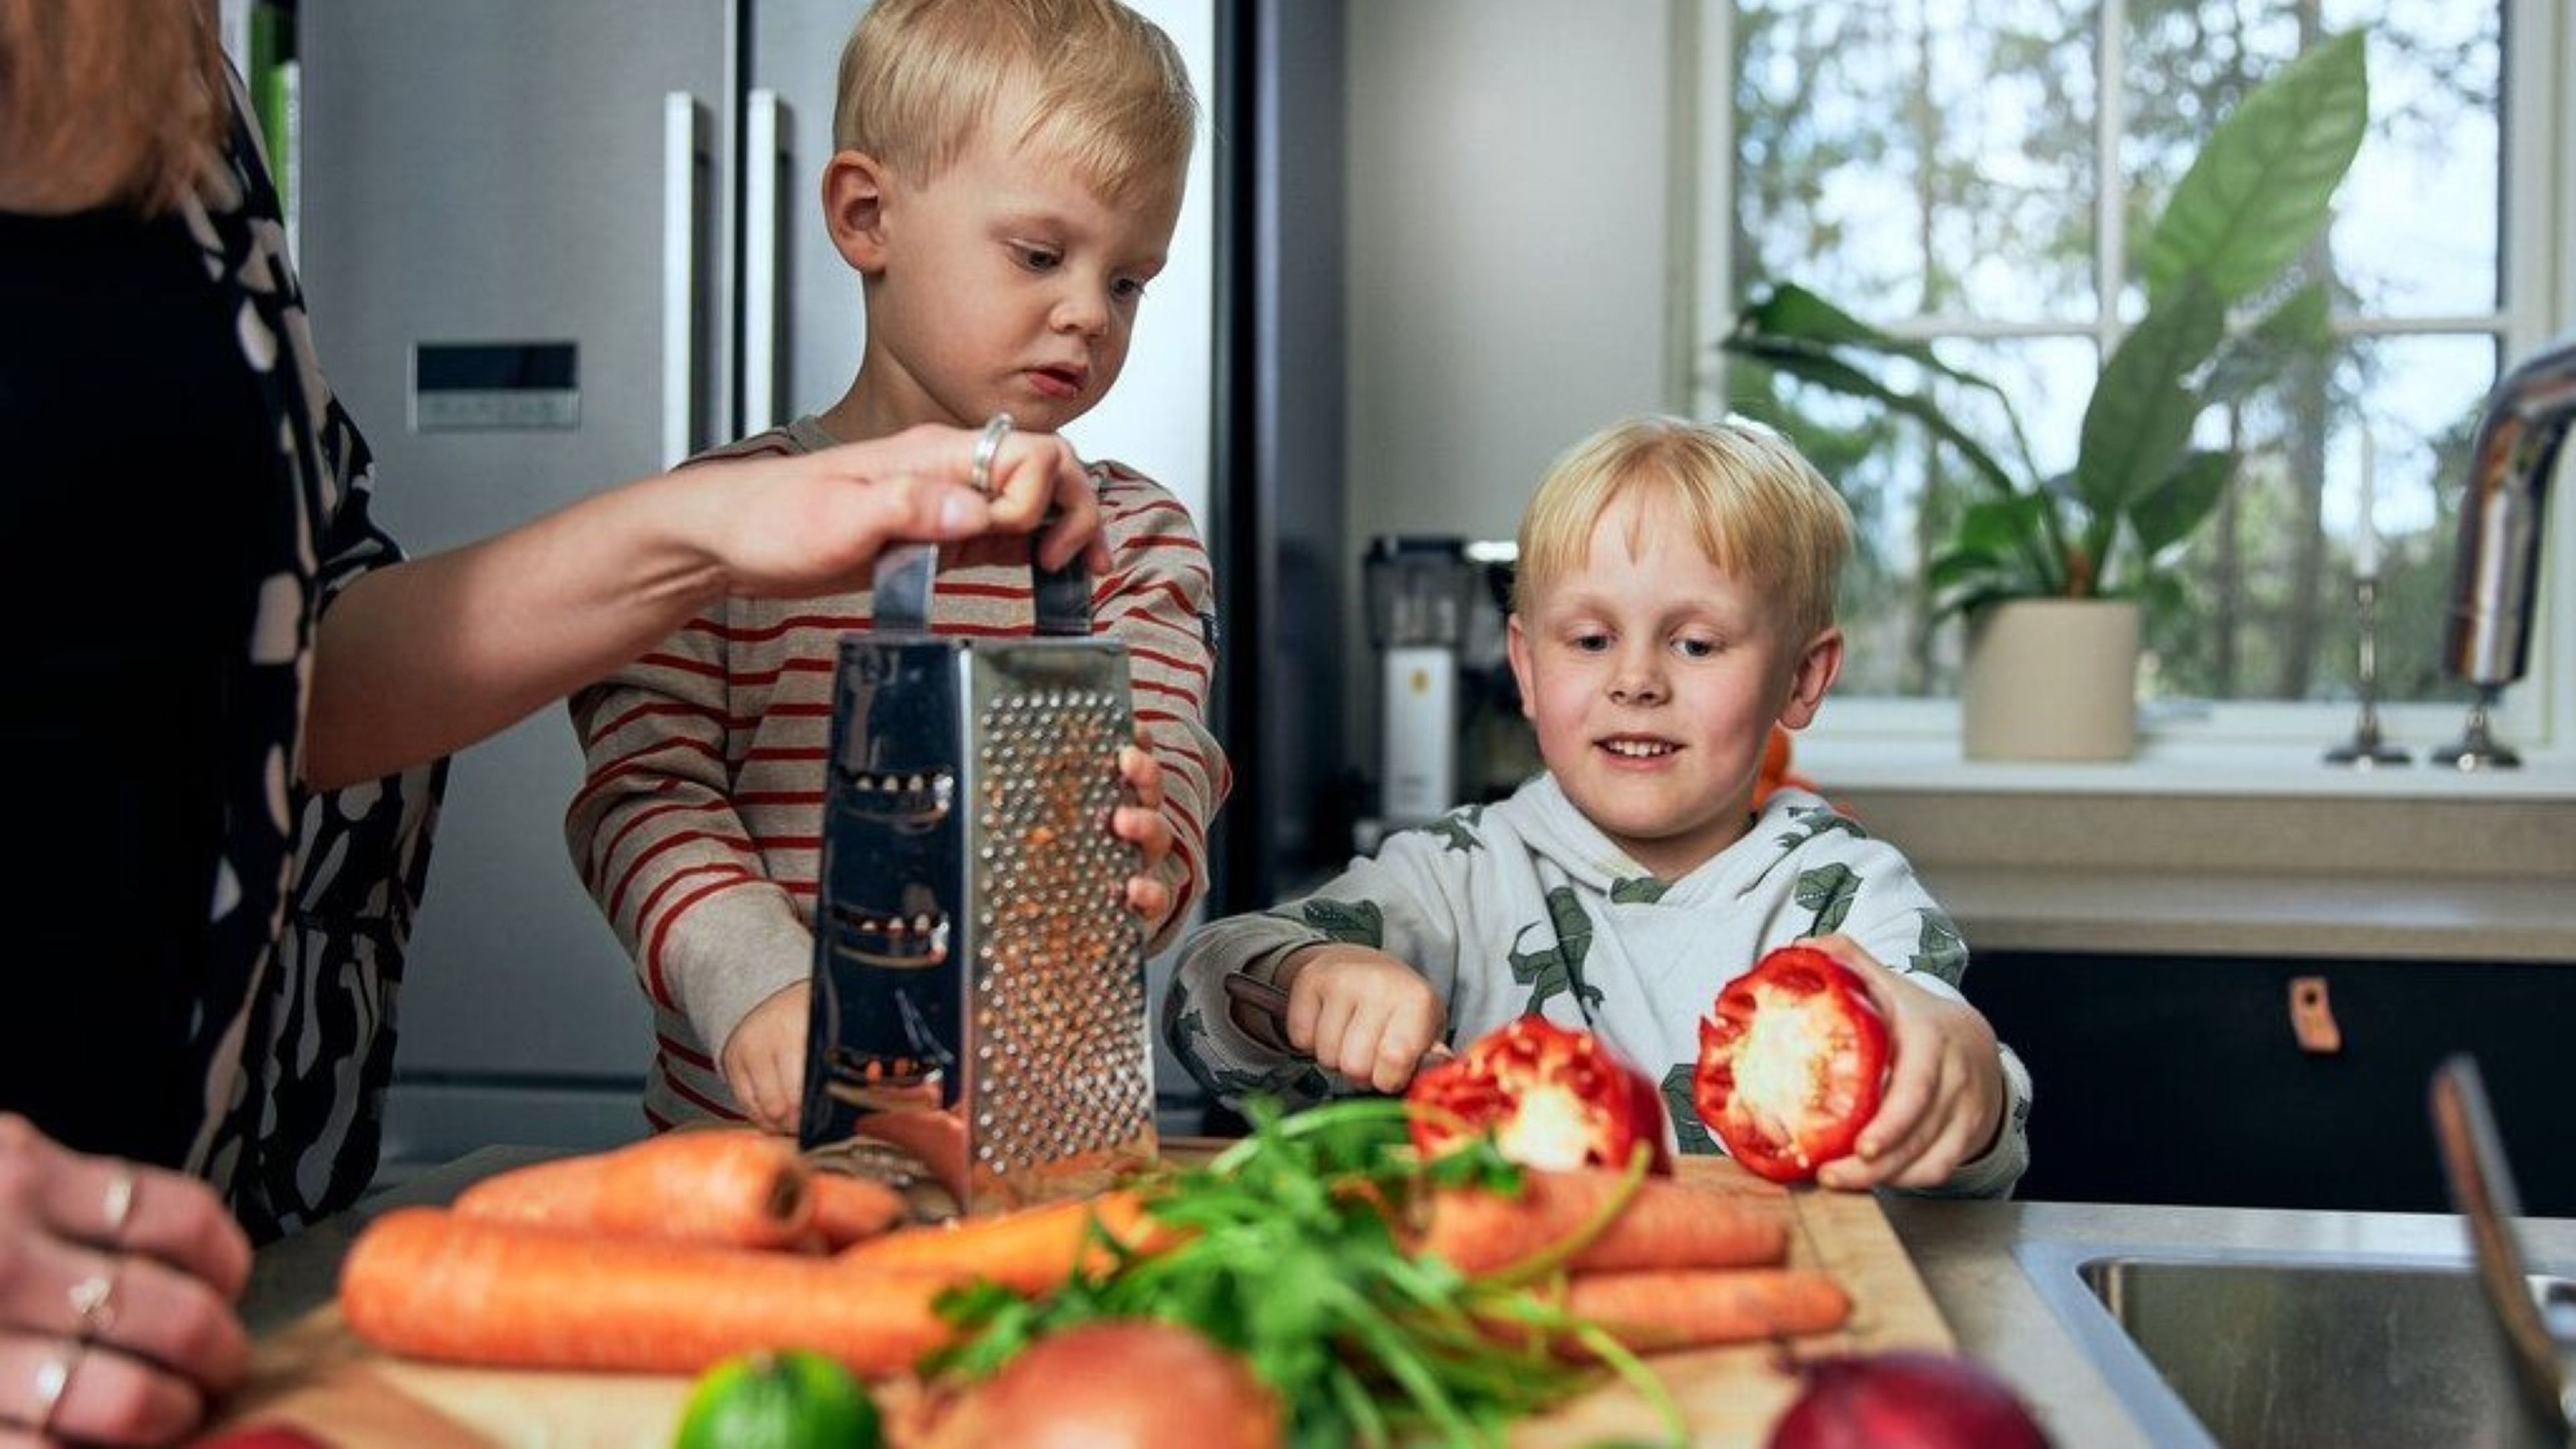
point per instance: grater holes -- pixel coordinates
(1056, 944)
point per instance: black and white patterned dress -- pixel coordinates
(203, 962)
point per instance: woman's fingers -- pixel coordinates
(108, 1203)
(155, 1214)
(56, 1388)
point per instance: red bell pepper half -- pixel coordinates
(1792, 1063)
(1551, 1096)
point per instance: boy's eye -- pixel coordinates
(1690, 648)
(1037, 258)
(1128, 289)
(1589, 643)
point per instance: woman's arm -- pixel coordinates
(422, 658)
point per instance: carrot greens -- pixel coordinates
(1287, 1250)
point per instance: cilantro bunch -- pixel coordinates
(1289, 1254)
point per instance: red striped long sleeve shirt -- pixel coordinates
(698, 827)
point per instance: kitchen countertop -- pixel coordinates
(2236, 913)
(2395, 877)
(1965, 1252)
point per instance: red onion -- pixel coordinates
(1117, 1384)
(1905, 1399)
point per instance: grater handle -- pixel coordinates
(907, 577)
(1063, 597)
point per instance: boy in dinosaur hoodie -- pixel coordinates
(1674, 600)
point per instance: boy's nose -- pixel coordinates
(1079, 310)
(1636, 683)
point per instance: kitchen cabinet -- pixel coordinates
(2180, 1079)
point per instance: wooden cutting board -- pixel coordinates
(317, 1376)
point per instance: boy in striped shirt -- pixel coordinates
(1007, 178)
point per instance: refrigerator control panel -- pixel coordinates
(492, 386)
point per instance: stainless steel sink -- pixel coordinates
(2246, 1348)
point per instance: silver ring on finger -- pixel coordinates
(52, 1377)
(93, 1301)
(117, 1203)
(988, 446)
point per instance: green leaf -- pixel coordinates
(2300, 327)
(1810, 364)
(2003, 550)
(2260, 187)
(2168, 512)
(1284, 1253)
(1997, 526)
(1792, 321)
(1792, 312)
(2140, 418)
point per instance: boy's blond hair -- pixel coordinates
(920, 78)
(1759, 510)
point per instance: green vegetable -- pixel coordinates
(790, 1399)
(1289, 1258)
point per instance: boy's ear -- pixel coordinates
(1516, 643)
(855, 186)
(1819, 665)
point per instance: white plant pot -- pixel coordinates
(2051, 679)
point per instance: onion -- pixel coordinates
(1122, 1384)
(1905, 1399)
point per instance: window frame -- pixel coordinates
(2538, 240)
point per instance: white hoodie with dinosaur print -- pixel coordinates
(1526, 906)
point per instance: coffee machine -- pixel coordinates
(1421, 592)
(1436, 608)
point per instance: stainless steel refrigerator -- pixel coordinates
(536, 269)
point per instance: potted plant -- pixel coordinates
(2253, 198)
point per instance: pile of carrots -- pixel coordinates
(673, 1253)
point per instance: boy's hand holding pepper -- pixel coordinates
(1945, 1088)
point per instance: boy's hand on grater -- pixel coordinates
(764, 1058)
(1140, 823)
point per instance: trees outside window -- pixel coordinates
(1979, 173)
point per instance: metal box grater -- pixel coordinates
(979, 1017)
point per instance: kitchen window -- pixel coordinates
(1936, 166)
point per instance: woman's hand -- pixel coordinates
(815, 522)
(117, 1285)
(425, 657)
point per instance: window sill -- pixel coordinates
(1932, 763)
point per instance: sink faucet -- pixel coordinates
(2541, 1347)
(2495, 575)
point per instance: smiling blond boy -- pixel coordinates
(1674, 601)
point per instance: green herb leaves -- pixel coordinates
(1291, 1255)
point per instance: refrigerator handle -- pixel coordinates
(683, 154)
(767, 160)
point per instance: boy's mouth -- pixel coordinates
(1638, 747)
(1063, 381)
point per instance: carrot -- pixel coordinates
(1666, 1224)
(436, 1284)
(1650, 1312)
(849, 1208)
(724, 1186)
(1029, 1250)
